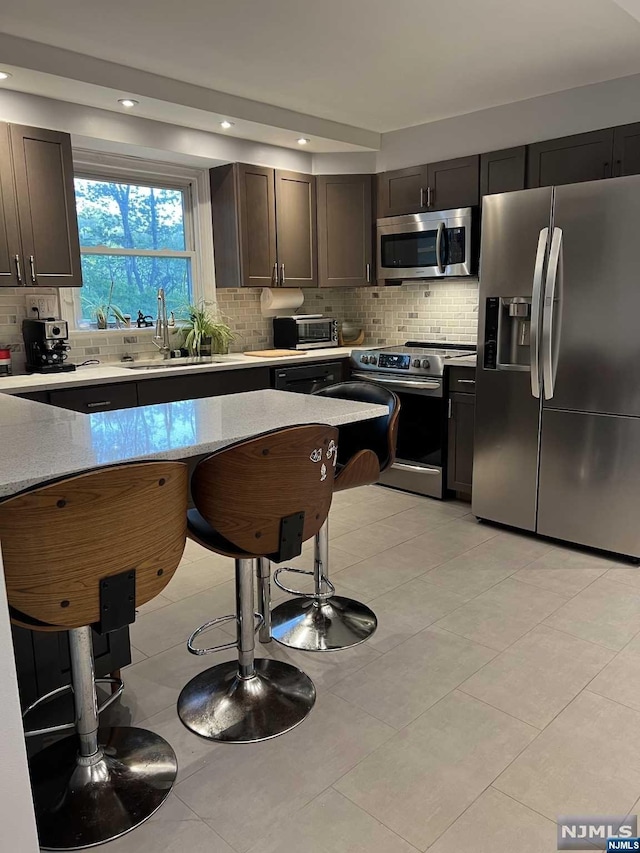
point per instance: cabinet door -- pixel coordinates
(570, 160)
(98, 398)
(503, 171)
(257, 222)
(626, 150)
(46, 206)
(11, 270)
(460, 450)
(195, 386)
(296, 231)
(453, 183)
(345, 230)
(402, 191)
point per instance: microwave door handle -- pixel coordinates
(439, 235)
(536, 296)
(550, 342)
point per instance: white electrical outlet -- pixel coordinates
(42, 306)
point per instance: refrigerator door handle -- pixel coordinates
(536, 296)
(549, 342)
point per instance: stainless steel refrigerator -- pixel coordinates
(557, 434)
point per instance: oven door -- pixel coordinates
(425, 245)
(421, 434)
(315, 333)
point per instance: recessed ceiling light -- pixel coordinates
(4, 75)
(128, 102)
(303, 141)
(226, 124)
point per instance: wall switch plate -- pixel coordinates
(42, 306)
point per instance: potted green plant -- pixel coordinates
(103, 310)
(205, 331)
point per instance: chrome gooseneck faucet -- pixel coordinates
(162, 326)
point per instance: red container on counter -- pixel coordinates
(5, 361)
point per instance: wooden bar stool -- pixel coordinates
(81, 552)
(262, 497)
(322, 621)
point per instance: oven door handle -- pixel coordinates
(399, 383)
(418, 469)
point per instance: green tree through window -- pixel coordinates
(137, 239)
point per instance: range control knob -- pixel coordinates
(416, 362)
(426, 363)
(373, 359)
(364, 359)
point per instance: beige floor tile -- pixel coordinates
(605, 612)
(386, 571)
(199, 575)
(422, 780)
(193, 752)
(447, 541)
(193, 551)
(248, 787)
(408, 609)
(620, 680)
(332, 824)
(502, 614)
(137, 655)
(538, 676)
(566, 582)
(413, 676)
(561, 557)
(486, 564)
(155, 604)
(153, 633)
(492, 824)
(625, 574)
(586, 762)
(168, 835)
(154, 684)
(427, 516)
(372, 539)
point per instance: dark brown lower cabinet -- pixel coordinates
(97, 398)
(460, 442)
(193, 386)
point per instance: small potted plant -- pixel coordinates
(103, 310)
(205, 331)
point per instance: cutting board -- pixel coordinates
(274, 353)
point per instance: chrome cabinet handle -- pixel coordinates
(99, 404)
(18, 270)
(282, 278)
(535, 311)
(32, 264)
(439, 247)
(422, 204)
(429, 196)
(549, 351)
(368, 272)
(466, 381)
(449, 408)
(274, 277)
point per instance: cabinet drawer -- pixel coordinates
(100, 398)
(462, 379)
(194, 386)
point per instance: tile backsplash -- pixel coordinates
(435, 311)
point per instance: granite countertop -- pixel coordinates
(115, 372)
(40, 442)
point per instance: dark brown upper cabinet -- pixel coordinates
(570, 160)
(345, 230)
(626, 150)
(503, 171)
(453, 183)
(43, 170)
(402, 191)
(11, 263)
(296, 231)
(264, 227)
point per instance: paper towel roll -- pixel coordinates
(280, 303)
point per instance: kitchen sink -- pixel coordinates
(174, 362)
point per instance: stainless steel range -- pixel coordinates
(415, 372)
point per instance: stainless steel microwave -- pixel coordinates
(305, 331)
(426, 245)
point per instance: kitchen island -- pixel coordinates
(39, 442)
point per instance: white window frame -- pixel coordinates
(197, 221)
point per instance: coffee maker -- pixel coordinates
(46, 345)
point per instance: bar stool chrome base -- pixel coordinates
(83, 802)
(312, 626)
(221, 705)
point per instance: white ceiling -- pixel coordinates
(378, 65)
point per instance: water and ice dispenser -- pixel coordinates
(507, 333)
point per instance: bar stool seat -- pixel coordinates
(262, 497)
(78, 553)
(322, 621)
